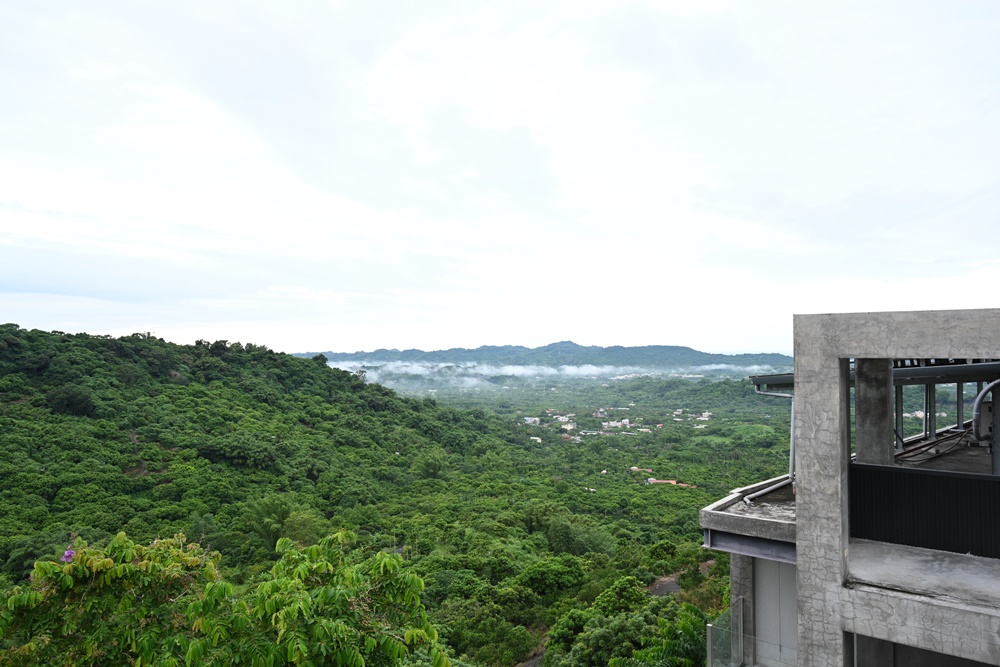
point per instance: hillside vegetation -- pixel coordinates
(515, 532)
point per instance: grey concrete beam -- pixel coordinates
(749, 545)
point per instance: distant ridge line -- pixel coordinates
(566, 353)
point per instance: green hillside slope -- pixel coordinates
(510, 527)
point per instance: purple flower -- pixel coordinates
(68, 556)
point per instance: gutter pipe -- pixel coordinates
(977, 408)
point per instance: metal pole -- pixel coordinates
(960, 408)
(899, 416)
(932, 409)
(708, 644)
(740, 626)
(791, 429)
(791, 447)
(927, 401)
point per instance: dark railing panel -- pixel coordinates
(947, 511)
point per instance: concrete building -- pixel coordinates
(877, 549)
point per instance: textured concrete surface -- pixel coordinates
(741, 586)
(874, 411)
(958, 578)
(822, 455)
(771, 516)
(778, 505)
(756, 526)
(827, 607)
(924, 623)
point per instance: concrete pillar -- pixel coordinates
(741, 586)
(822, 455)
(873, 411)
(871, 652)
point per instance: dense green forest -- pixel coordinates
(130, 462)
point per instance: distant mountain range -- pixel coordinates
(567, 353)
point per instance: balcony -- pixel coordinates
(757, 520)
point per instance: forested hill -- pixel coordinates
(570, 354)
(99, 434)
(518, 533)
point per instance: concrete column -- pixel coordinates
(874, 410)
(741, 585)
(822, 455)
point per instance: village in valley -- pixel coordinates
(614, 425)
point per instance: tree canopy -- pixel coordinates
(165, 604)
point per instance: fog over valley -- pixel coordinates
(402, 374)
(507, 367)
(376, 370)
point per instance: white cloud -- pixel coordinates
(354, 175)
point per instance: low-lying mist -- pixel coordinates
(400, 374)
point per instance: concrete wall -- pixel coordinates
(826, 608)
(941, 625)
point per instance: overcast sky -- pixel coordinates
(354, 175)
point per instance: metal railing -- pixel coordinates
(728, 646)
(724, 637)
